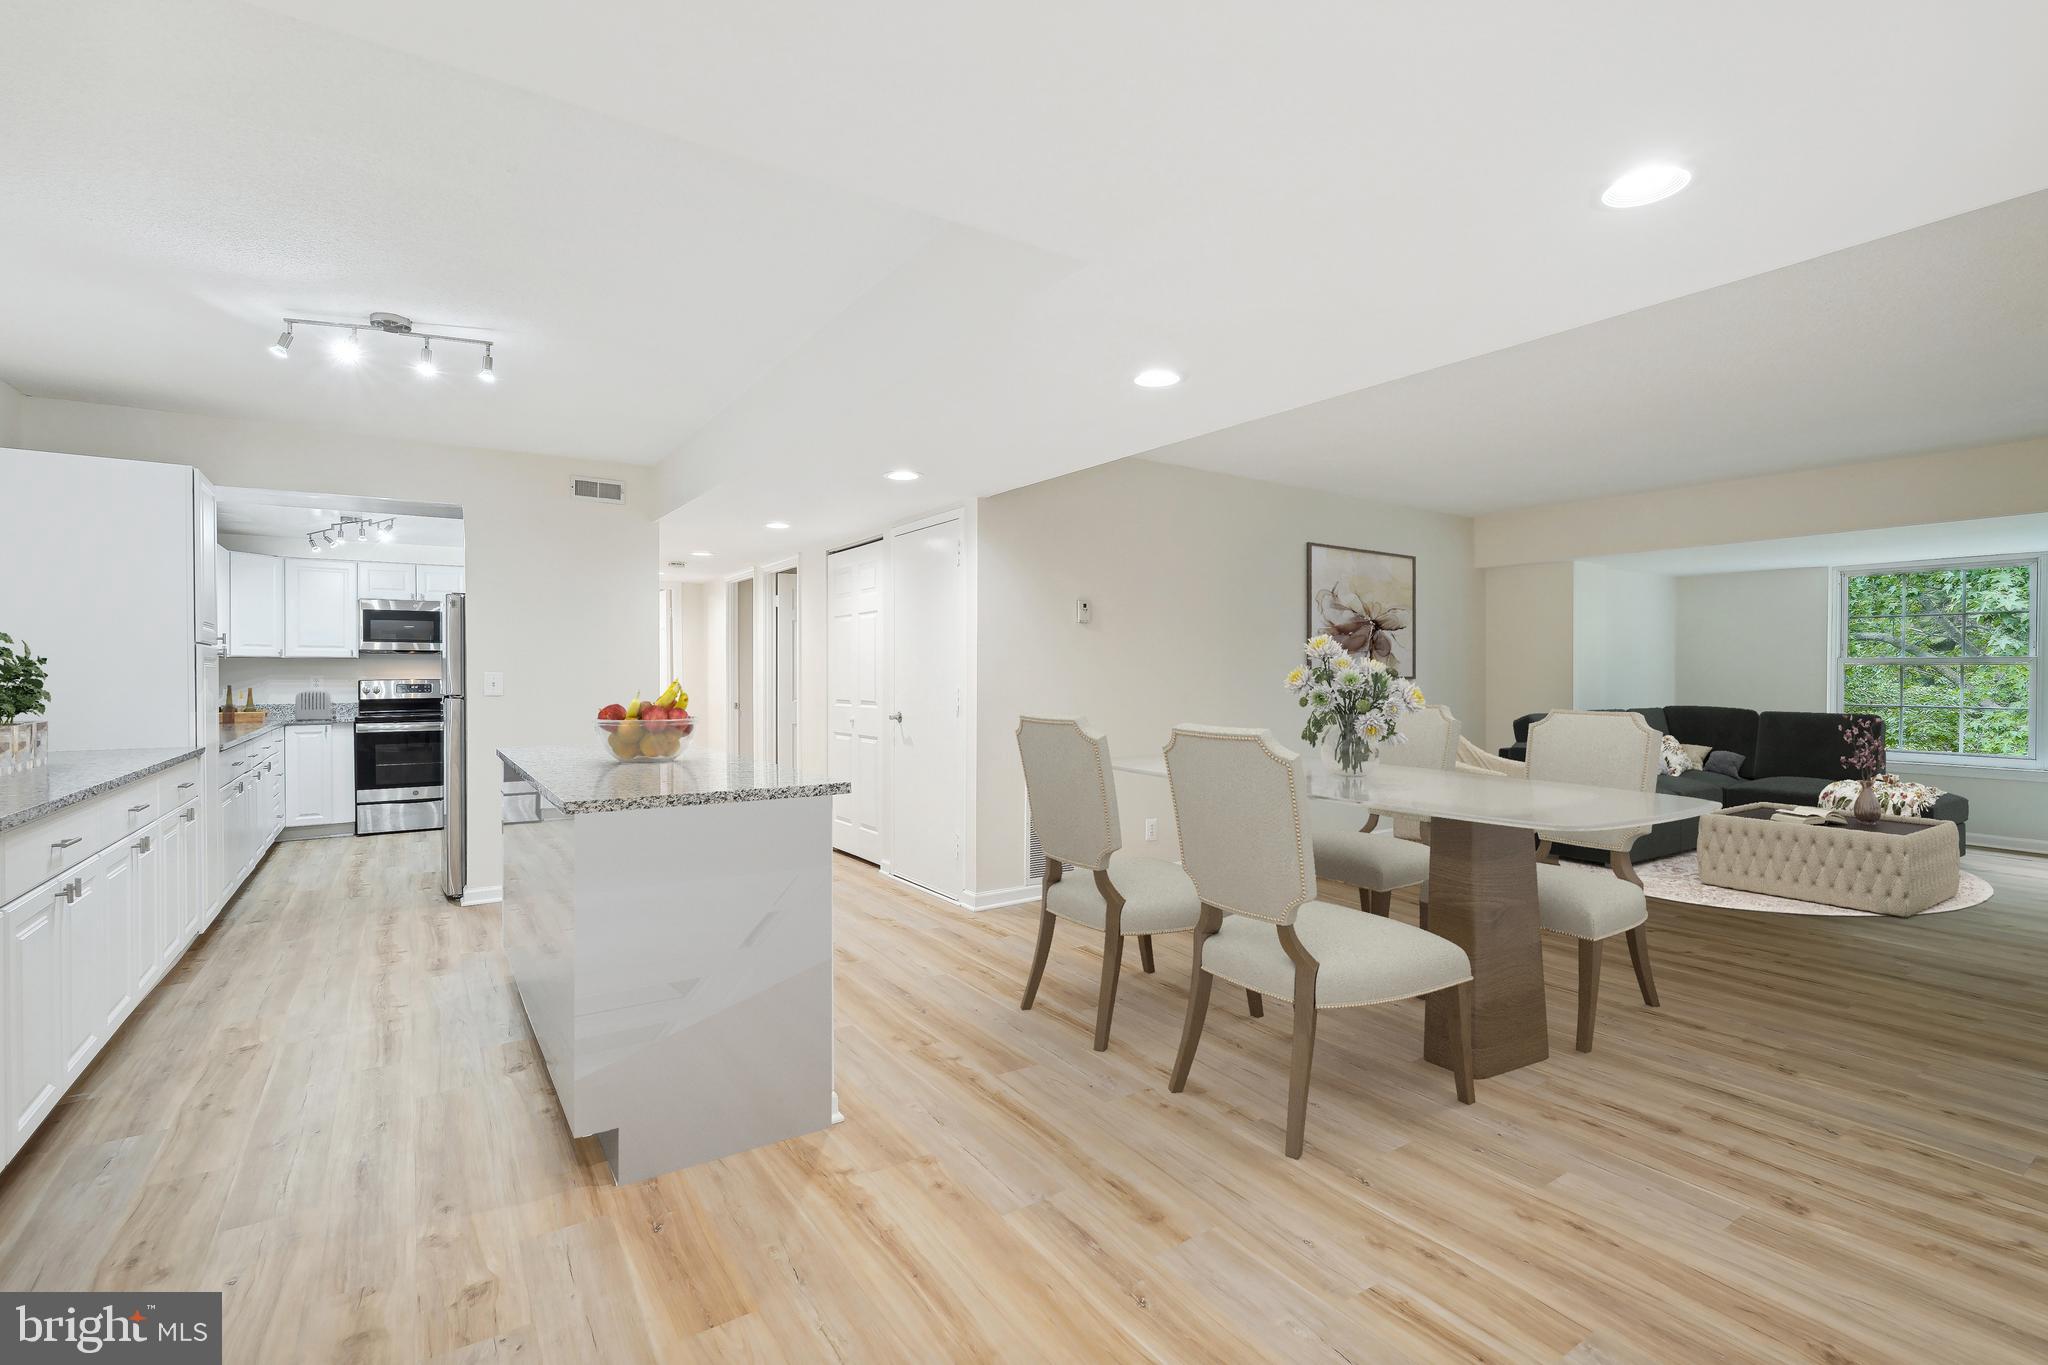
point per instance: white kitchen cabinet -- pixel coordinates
(207, 621)
(177, 917)
(255, 605)
(34, 1060)
(143, 929)
(320, 617)
(308, 776)
(92, 934)
(375, 579)
(435, 580)
(223, 593)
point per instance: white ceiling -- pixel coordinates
(1929, 339)
(1987, 536)
(793, 245)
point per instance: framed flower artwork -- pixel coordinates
(1365, 599)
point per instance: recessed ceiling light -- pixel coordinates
(1646, 185)
(700, 554)
(778, 526)
(1156, 378)
(902, 475)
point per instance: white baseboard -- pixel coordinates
(2007, 843)
(482, 895)
(996, 900)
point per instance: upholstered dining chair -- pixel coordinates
(1377, 866)
(1591, 904)
(1089, 880)
(1238, 801)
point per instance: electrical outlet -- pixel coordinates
(494, 684)
(1151, 830)
(1083, 609)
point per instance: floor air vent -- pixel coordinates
(598, 490)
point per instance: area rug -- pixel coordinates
(1677, 878)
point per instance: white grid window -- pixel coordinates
(1947, 654)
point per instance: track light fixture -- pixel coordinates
(360, 528)
(349, 350)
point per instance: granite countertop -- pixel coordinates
(583, 780)
(74, 775)
(276, 717)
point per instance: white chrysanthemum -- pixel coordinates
(1348, 677)
(1372, 727)
(1318, 646)
(1415, 697)
(1297, 679)
(1376, 665)
(1319, 697)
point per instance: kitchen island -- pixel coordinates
(669, 928)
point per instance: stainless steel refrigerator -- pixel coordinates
(455, 744)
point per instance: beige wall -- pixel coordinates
(1197, 583)
(1953, 485)
(1624, 637)
(1528, 642)
(558, 587)
(1758, 640)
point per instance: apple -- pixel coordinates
(612, 712)
(655, 718)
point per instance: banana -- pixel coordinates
(633, 708)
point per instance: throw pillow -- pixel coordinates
(1676, 760)
(1724, 762)
(1697, 753)
(1895, 795)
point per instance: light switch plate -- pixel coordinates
(494, 684)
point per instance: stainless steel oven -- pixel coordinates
(398, 625)
(400, 780)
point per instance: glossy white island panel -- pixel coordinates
(669, 928)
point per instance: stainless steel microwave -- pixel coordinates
(398, 625)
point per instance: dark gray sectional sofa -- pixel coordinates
(1787, 756)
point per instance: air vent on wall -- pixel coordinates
(598, 490)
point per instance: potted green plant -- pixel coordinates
(24, 734)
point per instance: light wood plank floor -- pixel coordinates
(1828, 1145)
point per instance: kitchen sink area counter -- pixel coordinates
(669, 928)
(583, 781)
(75, 775)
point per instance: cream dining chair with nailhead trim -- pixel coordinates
(1377, 865)
(1072, 794)
(1592, 905)
(1238, 802)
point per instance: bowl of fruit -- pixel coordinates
(655, 731)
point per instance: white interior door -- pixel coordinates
(854, 753)
(927, 797)
(783, 640)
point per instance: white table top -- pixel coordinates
(1512, 802)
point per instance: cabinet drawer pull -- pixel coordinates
(137, 810)
(190, 816)
(66, 843)
(186, 786)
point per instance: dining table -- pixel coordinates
(1482, 835)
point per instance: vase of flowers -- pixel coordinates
(24, 735)
(1864, 759)
(1354, 704)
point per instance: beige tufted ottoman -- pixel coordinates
(1900, 866)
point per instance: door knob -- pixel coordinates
(896, 716)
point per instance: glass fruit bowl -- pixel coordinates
(656, 741)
